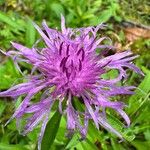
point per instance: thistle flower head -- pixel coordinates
(69, 66)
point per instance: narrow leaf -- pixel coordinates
(11, 147)
(140, 145)
(4, 18)
(30, 33)
(142, 90)
(51, 131)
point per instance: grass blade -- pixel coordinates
(51, 131)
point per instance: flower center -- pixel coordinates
(77, 72)
(71, 62)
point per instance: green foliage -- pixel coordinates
(140, 145)
(2, 107)
(8, 74)
(30, 33)
(51, 131)
(137, 10)
(136, 100)
(4, 18)
(11, 147)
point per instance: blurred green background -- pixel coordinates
(128, 26)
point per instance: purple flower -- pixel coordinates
(69, 67)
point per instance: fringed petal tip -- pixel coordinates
(4, 53)
(83, 133)
(142, 73)
(121, 140)
(62, 17)
(7, 122)
(12, 43)
(44, 24)
(63, 27)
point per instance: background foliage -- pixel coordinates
(127, 25)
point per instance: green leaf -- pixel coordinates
(87, 144)
(141, 128)
(57, 9)
(135, 101)
(4, 18)
(73, 142)
(51, 131)
(147, 134)
(116, 145)
(119, 126)
(2, 107)
(115, 122)
(76, 143)
(60, 138)
(141, 145)
(87, 16)
(143, 111)
(95, 135)
(12, 147)
(8, 74)
(129, 135)
(103, 17)
(30, 33)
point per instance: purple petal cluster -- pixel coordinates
(69, 66)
